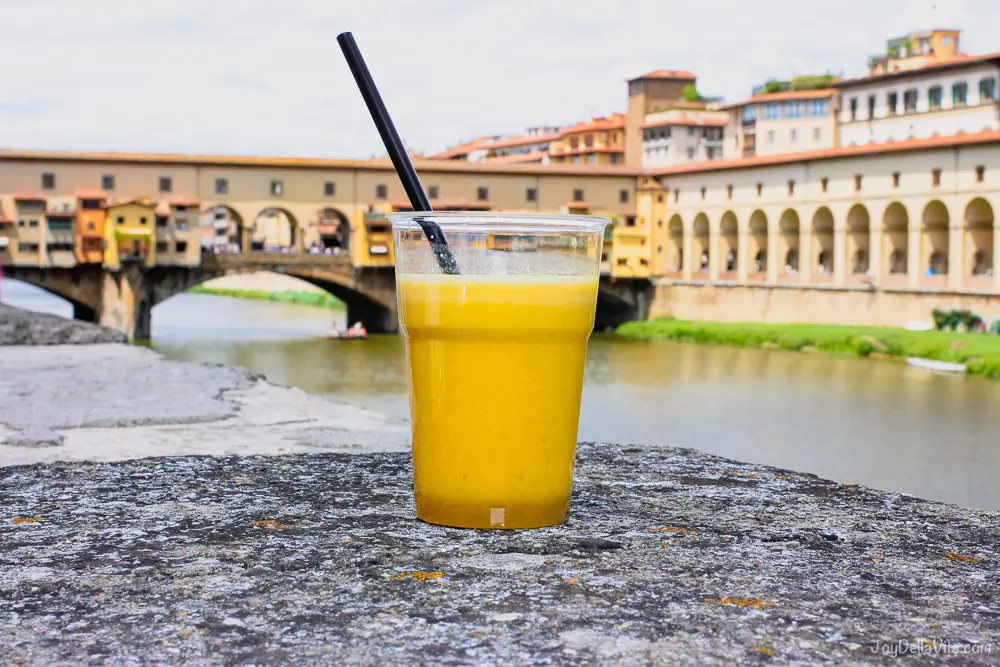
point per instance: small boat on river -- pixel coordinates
(934, 365)
(356, 332)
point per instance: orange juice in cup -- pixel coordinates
(496, 358)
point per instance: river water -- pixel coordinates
(878, 423)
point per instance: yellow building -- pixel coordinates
(130, 233)
(597, 141)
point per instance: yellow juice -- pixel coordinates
(496, 371)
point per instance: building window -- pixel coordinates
(381, 191)
(710, 153)
(793, 136)
(871, 107)
(892, 102)
(677, 195)
(221, 186)
(181, 225)
(690, 131)
(577, 194)
(591, 159)
(824, 183)
(987, 90)
(432, 192)
(120, 220)
(161, 221)
(27, 247)
(857, 182)
(48, 181)
(181, 246)
(791, 188)
(794, 109)
(960, 94)
(771, 111)
(161, 246)
(818, 108)
(91, 204)
(329, 189)
(614, 158)
(729, 191)
(32, 223)
(659, 199)
(142, 220)
(576, 159)
(760, 189)
(482, 193)
(588, 141)
(750, 113)
(770, 137)
(690, 153)
(623, 196)
(817, 134)
(895, 179)
(531, 194)
(108, 182)
(910, 100)
(980, 173)
(703, 193)
(277, 188)
(936, 177)
(854, 108)
(166, 184)
(934, 97)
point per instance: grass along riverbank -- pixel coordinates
(980, 352)
(317, 299)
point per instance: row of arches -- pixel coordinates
(909, 251)
(276, 229)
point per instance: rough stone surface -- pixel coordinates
(22, 327)
(115, 402)
(670, 557)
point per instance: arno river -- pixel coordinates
(877, 423)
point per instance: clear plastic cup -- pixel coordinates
(496, 357)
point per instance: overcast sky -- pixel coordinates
(266, 77)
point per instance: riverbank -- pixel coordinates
(24, 327)
(979, 352)
(316, 299)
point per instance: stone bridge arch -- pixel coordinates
(229, 225)
(80, 285)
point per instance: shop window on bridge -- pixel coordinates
(59, 247)
(161, 246)
(161, 221)
(181, 246)
(91, 204)
(32, 223)
(60, 224)
(108, 182)
(27, 247)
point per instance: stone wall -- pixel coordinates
(818, 305)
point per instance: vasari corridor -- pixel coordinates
(596, 362)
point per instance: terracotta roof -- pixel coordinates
(666, 74)
(138, 201)
(520, 158)
(950, 63)
(817, 94)
(522, 140)
(993, 136)
(584, 150)
(460, 149)
(688, 120)
(383, 165)
(90, 193)
(183, 200)
(5, 218)
(612, 122)
(28, 196)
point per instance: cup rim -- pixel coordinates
(502, 220)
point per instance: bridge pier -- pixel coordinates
(126, 301)
(621, 301)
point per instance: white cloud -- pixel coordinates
(267, 76)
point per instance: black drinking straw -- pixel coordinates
(397, 153)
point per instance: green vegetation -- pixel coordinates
(980, 352)
(690, 94)
(317, 299)
(808, 82)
